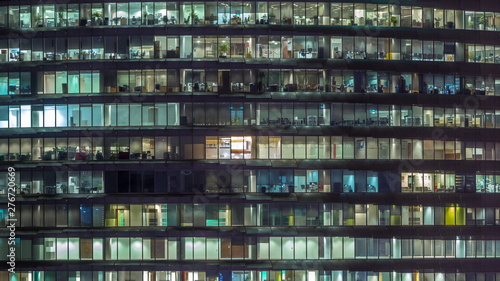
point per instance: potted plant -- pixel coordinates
(248, 54)
(437, 22)
(481, 22)
(394, 21)
(195, 17)
(223, 48)
(144, 18)
(97, 18)
(38, 20)
(61, 18)
(471, 56)
(470, 25)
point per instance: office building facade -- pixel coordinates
(250, 140)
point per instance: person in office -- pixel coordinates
(99, 156)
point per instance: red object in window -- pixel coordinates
(80, 156)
